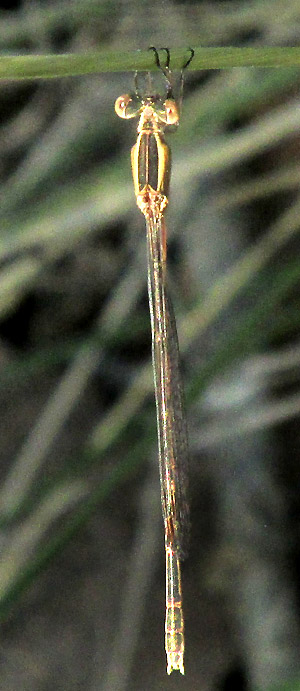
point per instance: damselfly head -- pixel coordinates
(150, 108)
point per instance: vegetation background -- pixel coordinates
(82, 553)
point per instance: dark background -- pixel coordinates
(82, 551)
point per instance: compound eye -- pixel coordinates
(171, 110)
(122, 104)
(127, 106)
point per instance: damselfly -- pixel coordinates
(151, 164)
